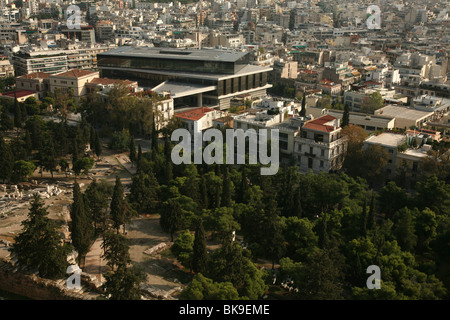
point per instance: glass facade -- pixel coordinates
(157, 63)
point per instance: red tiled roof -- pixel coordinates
(35, 75)
(319, 124)
(19, 93)
(74, 73)
(194, 114)
(107, 81)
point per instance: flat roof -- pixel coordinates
(177, 54)
(387, 139)
(403, 113)
(180, 89)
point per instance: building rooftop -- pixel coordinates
(18, 93)
(35, 75)
(178, 54)
(402, 112)
(194, 114)
(387, 139)
(325, 123)
(75, 73)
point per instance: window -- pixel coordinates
(321, 163)
(322, 152)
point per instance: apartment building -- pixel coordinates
(6, 68)
(74, 80)
(320, 146)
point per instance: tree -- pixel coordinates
(124, 283)
(97, 145)
(322, 276)
(346, 116)
(82, 230)
(83, 165)
(372, 102)
(144, 192)
(6, 160)
(303, 110)
(18, 118)
(182, 248)
(226, 189)
(6, 123)
(23, 169)
(39, 245)
(117, 206)
(116, 250)
(404, 229)
(47, 155)
(98, 204)
(200, 255)
(202, 288)
(133, 156)
(171, 217)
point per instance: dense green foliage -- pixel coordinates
(320, 232)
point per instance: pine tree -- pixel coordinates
(38, 246)
(200, 255)
(82, 230)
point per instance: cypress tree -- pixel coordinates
(226, 189)
(363, 225)
(132, 147)
(117, 205)
(204, 193)
(6, 160)
(171, 217)
(345, 116)
(82, 230)
(139, 157)
(17, 114)
(371, 216)
(200, 255)
(97, 145)
(303, 111)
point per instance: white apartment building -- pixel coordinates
(319, 146)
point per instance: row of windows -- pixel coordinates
(243, 83)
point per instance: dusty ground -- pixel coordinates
(143, 232)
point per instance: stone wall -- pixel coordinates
(36, 288)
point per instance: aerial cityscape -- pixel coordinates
(261, 150)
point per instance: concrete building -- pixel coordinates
(406, 117)
(320, 146)
(74, 80)
(6, 68)
(193, 77)
(199, 118)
